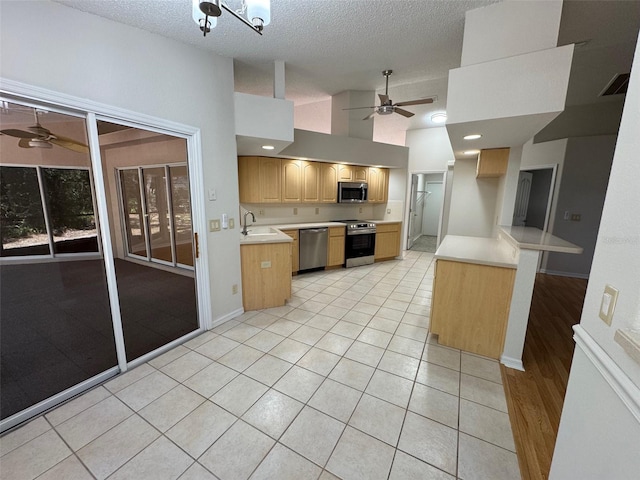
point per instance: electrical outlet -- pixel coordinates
(266, 264)
(575, 217)
(260, 212)
(360, 210)
(317, 210)
(214, 225)
(234, 289)
(567, 214)
(388, 211)
(608, 304)
(295, 210)
(232, 223)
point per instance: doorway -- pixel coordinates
(534, 196)
(425, 212)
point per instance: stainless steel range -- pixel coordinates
(360, 243)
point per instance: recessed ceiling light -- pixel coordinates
(471, 152)
(439, 117)
(474, 136)
(268, 147)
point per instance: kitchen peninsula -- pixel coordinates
(483, 288)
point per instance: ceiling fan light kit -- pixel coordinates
(387, 107)
(205, 14)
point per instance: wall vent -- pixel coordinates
(617, 85)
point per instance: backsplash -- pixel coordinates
(322, 212)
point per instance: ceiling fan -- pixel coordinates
(39, 137)
(387, 106)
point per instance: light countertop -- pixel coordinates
(480, 250)
(298, 226)
(264, 234)
(535, 239)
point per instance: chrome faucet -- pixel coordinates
(244, 228)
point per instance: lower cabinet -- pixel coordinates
(295, 250)
(387, 241)
(470, 306)
(266, 275)
(335, 246)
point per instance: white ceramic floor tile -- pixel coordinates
(240, 358)
(239, 394)
(93, 422)
(68, 469)
(261, 320)
(322, 322)
(290, 350)
(268, 370)
(129, 377)
(445, 357)
(406, 346)
(299, 316)
(434, 404)
(334, 343)
(360, 457)
(211, 379)
(410, 331)
(406, 467)
(313, 435)
(201, 428)
(478, 460)
(335, 399)
(390, 314)
(161, 460)
(238, 452)
(172, 407)
(273, 413)
(364, 353)
(200, 340)
(379, 419)
(24, 434)
(197, 472)
(283, 327)
(264, 341)
(375, 337)
(168, 357)
(351, 373)
(481, 367)
(146, 390)
(308, 335)
(347, 329)
(284, 464)
(110, 451)
(486, 424)
(77, 405)
(429, 441)
(242, 332)
(439, 377)
(391, 388)
(299, 383)
(319, 361)
(482, 391)
(34, 457)
(186, 366)
(383, 324)
(399, 364)
(216, 348)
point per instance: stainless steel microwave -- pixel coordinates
(352, 192)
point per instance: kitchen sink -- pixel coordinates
(261, 231)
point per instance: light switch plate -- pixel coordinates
(214, 225)
(608, 304)
(232, 223)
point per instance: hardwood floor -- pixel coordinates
(535, 397)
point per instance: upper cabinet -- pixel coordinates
(281, 180)
(352, 173)
(492, 163)
(378, 185)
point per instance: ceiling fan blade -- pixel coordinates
(357, 108)
(370, 115)
(69, 144)
(24, 143)
(383, 98)
(17, 133)
(404, 113)
(422, 101)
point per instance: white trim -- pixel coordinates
(625, 389)
(584, 276)
(510, 362)
(58, 398)
(227, 317)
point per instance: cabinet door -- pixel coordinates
(291, 181)
(335, 246)
(387, 241)
(249, 179)
(311, 181)
(345, 173)
(295, 250)
(269, 174)
(492, 162)
(329, 183)
(360, 174)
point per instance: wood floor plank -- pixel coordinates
(535, 396)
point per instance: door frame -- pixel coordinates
(91, 111)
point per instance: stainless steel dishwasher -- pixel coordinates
(313, 248)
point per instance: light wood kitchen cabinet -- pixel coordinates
(266, 275)
(259, 179)
(352, 173)
(335, 246)
(295, 250)
(470, 306)
(329, 182)
(492, 163)
(387, 241)
(311, 182)
(378, 185)
(291, 181)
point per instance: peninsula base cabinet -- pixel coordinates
(266, 275)
(470, 306)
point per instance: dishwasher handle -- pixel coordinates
(315, 230)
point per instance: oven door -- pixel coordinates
(359, 249)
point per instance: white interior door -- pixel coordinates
(412, 211)
(432, 206)
(522, 199)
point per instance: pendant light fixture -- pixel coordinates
(206, 12)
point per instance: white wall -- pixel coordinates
(507, 189)
(583, 186)
(315, 117)
(48, 45)
(616, 262)
(429, 150)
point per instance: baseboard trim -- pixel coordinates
(584, 276)
(227, 317)
(620, 383)
(514, 363)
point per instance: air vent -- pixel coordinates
(617, 85)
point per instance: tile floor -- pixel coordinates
(343, 382)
